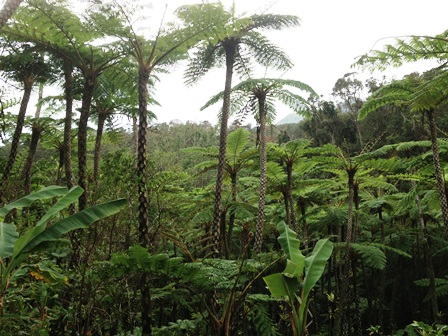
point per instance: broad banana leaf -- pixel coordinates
(314, 268)
(291, 246)
(8, 233)
(315, 264)
(79, 220)
(8, 236)
(45, 193)
(280, 285)
(69, 197)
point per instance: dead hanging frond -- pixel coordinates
(246, 109)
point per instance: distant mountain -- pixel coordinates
(291, 118)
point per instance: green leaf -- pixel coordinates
(45, 193)
(314, 268)
(8, 236)
(292, 269)
(371, 255)
(69, 197)
(279, 285)
(290, 244)
(315, 264)
(77, 221)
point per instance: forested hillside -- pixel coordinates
(115, 224)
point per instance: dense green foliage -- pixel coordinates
(354, 234)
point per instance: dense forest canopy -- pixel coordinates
(115, 224)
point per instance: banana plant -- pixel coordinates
(14, 249)
(300, 275)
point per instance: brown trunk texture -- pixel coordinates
(263, 177)
(68, 76)
(102, 115)
(437, 169)
(87, 95)
(28, 84)
(230, 60)
(143, 201)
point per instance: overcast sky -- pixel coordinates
(331, 36)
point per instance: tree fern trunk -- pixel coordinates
(437, 169)
(356, 229)
(432, 293)
(292, 213)
(286, 201)
(135, 134)
(87, 95)
(60, 148)
(346, 293)
(231, 216)
(26, 171)
(351, 193)
(304, 224)
(36, 131)
(263, 178)
(230, 49)
(68, 76)
(143, 202)
(383, 278)
(28, 85)
(102, 116)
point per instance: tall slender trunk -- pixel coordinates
(87, 95)
(135, 134)
(292, 216)
(383, 279)
(230, 49)
(36, 131)
(102, 116)
(143, 201)
(60, 148)
(263, 177)
(356, 229)
(286, 200)
(429, 265)
(69, 177)
(345, 295)
(437, 169)
(351, 195)
(68, 76)
(26, 171)
(28, 85)
(232, 215)
(302, 205)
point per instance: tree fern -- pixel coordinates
(441, 286)
(411, 49)
(371, 255)
(260, 318)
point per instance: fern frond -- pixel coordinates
(371, 255)
(411, 49)
(392, 249)
(237, 141)
(205, 58)
(260, 317)
(264, 52)
(374, 104)
(441, 286)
